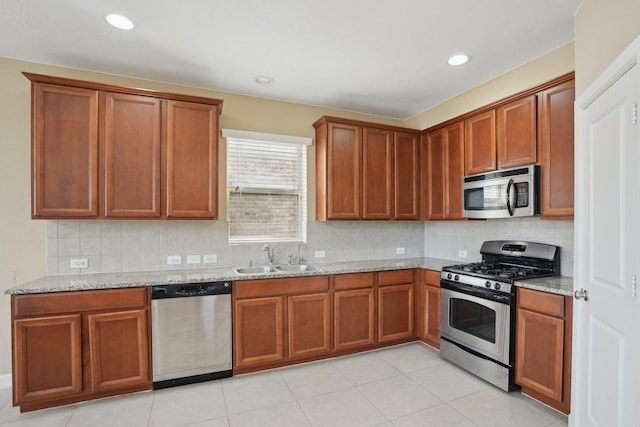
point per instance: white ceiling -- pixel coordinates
(383, 57)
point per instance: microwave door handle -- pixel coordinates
(509, 207)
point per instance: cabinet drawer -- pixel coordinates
(353, 281)
(395, 277)
(541, 302)
(279, 287)
(74, 302)
(431, 277)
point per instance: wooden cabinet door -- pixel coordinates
(435, 175)
(344, 168)
(480, 143)
(406, 176)
(309, 325)
(377, 173)
(539, 353)
(192, 160)
(64, 152)
(395, 312)
(118, 350)
(354, 318)
(516, 127)
(445, 170)
(130, 151)
(555, 150)
(454, 158)
(428, 311)
(258, 331)
(47, 358)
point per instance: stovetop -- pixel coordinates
(504, 262)
(499, 271)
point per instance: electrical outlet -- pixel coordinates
(462, 253)
(210, 258)
(194, 259)
(319, 254)
(79, 263)
(174, 260)
(399, 251)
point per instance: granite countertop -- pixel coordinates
(65, 283)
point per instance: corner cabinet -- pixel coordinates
(75, 346)
(428, 307)
(108, 152)
(365, 171)
(543, 347)
(443, 157)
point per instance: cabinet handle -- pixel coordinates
(581, 293)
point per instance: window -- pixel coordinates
(266, 187)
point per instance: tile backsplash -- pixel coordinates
(128, 246)
(445, 238)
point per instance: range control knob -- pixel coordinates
(456, 277)
(448, 276)
(496, 286)
(487, 284)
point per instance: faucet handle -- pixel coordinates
(290, 259)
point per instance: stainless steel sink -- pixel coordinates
(256, 270)
(269, 269)
(297, 268)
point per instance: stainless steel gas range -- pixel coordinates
(478, 303)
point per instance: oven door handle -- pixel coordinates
(502, 298)
(510, 185)
(474, 352)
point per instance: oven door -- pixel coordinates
(477, 319)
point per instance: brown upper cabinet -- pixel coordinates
(365, 171)
(502, 137)
(109, 152)
(555, 150)
(480, 143)
(443, 157)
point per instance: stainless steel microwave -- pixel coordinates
(504, 193)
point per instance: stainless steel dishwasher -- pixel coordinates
(191, 333)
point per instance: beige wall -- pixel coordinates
(603, 29)
(538, 71)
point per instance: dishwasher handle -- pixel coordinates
(184, 290)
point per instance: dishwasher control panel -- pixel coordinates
(181, 290)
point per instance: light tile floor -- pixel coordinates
(403, 386)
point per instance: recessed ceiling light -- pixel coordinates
(458, 59)
(264, 80)
(119, 21)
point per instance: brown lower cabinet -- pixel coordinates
(395, 305)
(428, 307)
(543, 347)
(354, 308)
(75, 346)
(279, 322)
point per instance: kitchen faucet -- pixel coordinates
(271, 253)
(300, 259)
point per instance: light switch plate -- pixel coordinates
(462, 253)
(174, 260)
(319, 254)
(399, 251)
(210, 258)
(194, 259)
(79, 263)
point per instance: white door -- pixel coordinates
(606, 352)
